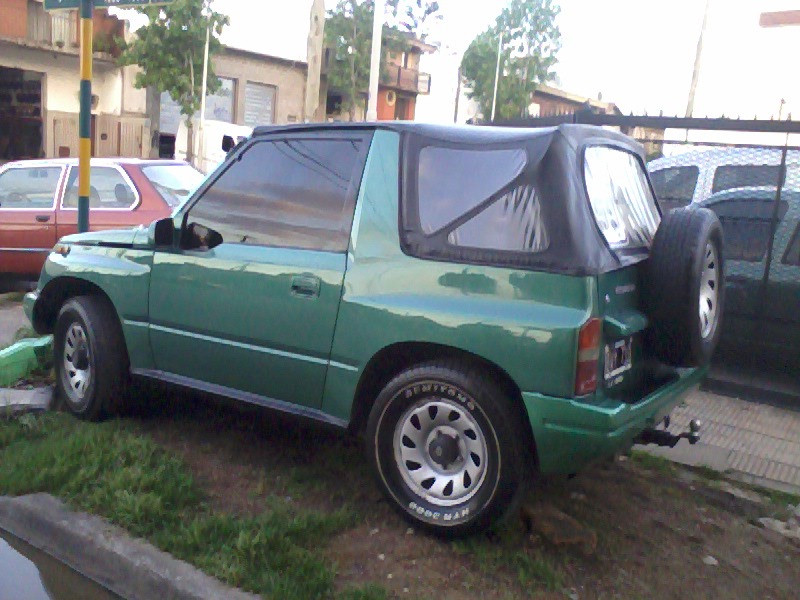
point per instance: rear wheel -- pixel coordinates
(685, 287)
(90, 358)
(447, 447)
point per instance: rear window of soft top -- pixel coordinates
(620, 196)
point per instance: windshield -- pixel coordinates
(621, 199)
(174, 182)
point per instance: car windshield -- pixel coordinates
(621, 198)
(174, 182)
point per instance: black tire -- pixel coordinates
(477, 405)
(685, 261)
(88, 334)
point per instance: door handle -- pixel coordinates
(305, 286)
(42, 218)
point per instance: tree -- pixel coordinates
(348, 33)
(170, 50)
(531, 41)
(415, 16)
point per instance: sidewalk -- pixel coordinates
(754, 443)
(12, 318)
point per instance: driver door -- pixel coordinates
(255, 314)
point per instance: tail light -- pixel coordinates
(588, 357)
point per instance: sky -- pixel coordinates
(638, 53)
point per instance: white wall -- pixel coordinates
(439, 106)
(133, 100)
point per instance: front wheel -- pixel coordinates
(448, 447)
(90, 358)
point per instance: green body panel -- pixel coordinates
(525, 322)
(229, 316)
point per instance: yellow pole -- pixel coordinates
(85, 120)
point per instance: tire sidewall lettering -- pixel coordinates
(412, 502)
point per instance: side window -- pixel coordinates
(747, 226)
(674, 186)
(727, 177)
(108, 189)
(292, 193)
(457, 194)
(29, 187)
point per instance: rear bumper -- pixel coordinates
(570, 433)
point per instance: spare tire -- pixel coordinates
(685, 287)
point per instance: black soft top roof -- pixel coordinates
(468, 134)
(554, 167)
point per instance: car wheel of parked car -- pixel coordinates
(448, 447)
(90, 358)
(685, 287)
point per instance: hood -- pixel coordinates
(114, 238)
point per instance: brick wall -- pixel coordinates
(14, 18)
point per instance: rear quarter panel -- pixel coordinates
(522, 321)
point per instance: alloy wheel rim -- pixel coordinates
(709, 292)
(441, 451)
(77, 361)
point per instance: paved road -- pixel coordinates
(756, 443)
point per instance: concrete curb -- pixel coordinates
(18, 360)
(14, 402)
(105, 554)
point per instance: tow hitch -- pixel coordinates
(662, 437)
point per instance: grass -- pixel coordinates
(107, 470)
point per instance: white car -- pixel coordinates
(681, 179)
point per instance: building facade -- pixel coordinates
(400, 84)
(39, 83)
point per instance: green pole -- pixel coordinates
(85, 120)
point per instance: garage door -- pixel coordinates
(259, 104)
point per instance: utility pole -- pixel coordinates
(497, 73)
(375, 61)
(458, 96)
(696, 71)
(85, 117)
(199, 154)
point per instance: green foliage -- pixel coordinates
(170, 50)
(348, 33)
(414, 16)
(108, 470)
(531, 41)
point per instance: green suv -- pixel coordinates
(479, 303)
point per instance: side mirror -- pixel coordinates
(227, 143)
(164, 232)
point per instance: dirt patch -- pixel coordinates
(631, 531)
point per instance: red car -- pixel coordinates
(39, 202)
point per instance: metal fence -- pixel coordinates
(748, 173)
